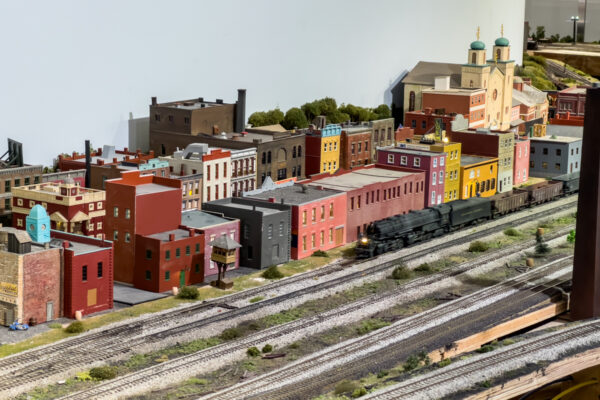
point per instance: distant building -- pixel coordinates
(72, 208)
(571, 101)
(383, 134)
(355, 146)
(78, 175)
(533, 105)
(477, 176)
(318, 215)
(322, 149)
(446, 100)
(176, 124)
(374, 193)
(554, 155)
(243, 171)
(521, 161)
(265, 229)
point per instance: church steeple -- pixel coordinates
(475, 73)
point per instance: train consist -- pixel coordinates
(402, 230)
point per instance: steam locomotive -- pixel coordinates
(402, 230)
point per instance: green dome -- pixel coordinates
(477, 45)
(502, 42)
(38, 212)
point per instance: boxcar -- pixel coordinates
(570, 182)
(468, 211)
(505, 203)
(542, 192)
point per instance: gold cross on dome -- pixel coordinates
(502, 30)
(477, 33)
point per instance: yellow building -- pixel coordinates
(330, 148)
(478, 176)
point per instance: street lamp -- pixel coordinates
(575, 18)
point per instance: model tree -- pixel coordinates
(294, 118)
(261, 118)
(541, 247)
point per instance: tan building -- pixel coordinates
(383, 134)
(11, 177)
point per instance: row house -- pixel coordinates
(374, 193)
(383, 131)
(521, 160)
(243, 171)
(322, 149)
(478, 176)
(572, 101)
(554, 155)
(533, 105)
(355, 146)
(72, 208)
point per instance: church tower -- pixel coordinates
(38, 224)
(475, 73)
(501, 60)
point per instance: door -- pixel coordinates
(339, 236)
(182, 278)
(9, 316)
(275, 253)
(49, 311)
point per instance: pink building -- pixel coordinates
(521, 161)
(432, 163)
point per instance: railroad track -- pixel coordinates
(559, 70)
(175, 369)
(464, 374)
(38, 366)
(385, 347)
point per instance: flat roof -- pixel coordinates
(574, 90)
(564, 130)
(457, 91)
(199, 219)
(295, 194)
(164, 236)
(264, 210)
(149, 188)
(76, 247)
(557, 139)
(469, 159)
(192, 104)
(427, 153)
(357, 179)
(356, 129)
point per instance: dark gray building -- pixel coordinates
(554, 155)
(265, 229)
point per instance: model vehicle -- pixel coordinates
(17, 326)
(402, 230)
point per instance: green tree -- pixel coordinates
(540, 32)
(258, 118)
(294, 117)
(311, 110)
(541, 247)
(274, 117)
(382, 111)
(571, 236)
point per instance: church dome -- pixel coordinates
(503, 42)
(38, 212)
(477, 45)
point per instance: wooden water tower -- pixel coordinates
(224, 255)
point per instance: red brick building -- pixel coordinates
(355, 146)
(71, 208)
(423, 122)
(318, 216)
(572, 101)
(139, 205)
(374, 193)
(87, 273)
(469, 102)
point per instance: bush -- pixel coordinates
(188, 292)
(541, 247)
(425, 267)
(345, 386)
(361, 391)
(103, 373)
(512, 232)
(507, 342)
(571, 236)
(401, 272)
(267, 348)
(383, 373)
(75, 327)
(197, 381)
(411, 363)
(444, 363)
(272, 273)
(256, 299)
(478, 247)
(253, 351)
(230, 334)
(486, 348)
(294, 345)
(370, 325)
(320, 253)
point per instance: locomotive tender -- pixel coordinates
(402, 230)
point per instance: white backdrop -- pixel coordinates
(73, 70)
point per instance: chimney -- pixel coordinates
(114, 160)
(253, 207)
(154, 101)
(171, 237)
(428, 110)
(240, 111)
(88, 163)
(65, 244)
(282, 201)
(100, 162)
(272, 200)
(219, 101)
(442, 83)
(192, 232)
(126, 150)
(200, 99)
(151, 153)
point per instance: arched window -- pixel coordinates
(471, 83)
(473, 58)
(299, 151)
(281, 155)
(411, 101)
(269, 157)
(294, 152)
(498, 53)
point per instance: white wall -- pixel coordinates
(73, 70)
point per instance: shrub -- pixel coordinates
(320, 253)
(512, 232)
(256, 299)
(383, 373)
(197, 381)
(370, 325)
(486, 348)
(272, 273)
(571, 236)
(507, 342)
(401, 272)
(103, 373)
(75, 327)
(361, 391)
(425, 267)
(253, 351)
(230, 334)
(267, 348)
(188, 292)
(411, 363)
(294, 345)
(83, 376)
(541, 247)
(345, 386)
(444, 363)
(478, 247)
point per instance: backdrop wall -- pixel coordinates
(73, 70)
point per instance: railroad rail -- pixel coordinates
(559, 70)
(208, 359)
(385, 347)
(38, 366)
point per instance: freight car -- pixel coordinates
(395, 232)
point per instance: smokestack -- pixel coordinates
(88, 163)
(240, 111)
(154, 100)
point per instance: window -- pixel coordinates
(417, 162)
(434, 179)
(531, 164)
(313, 241)
(187, 250)
(304, 217)
(331, 210)
(270, 231)
(322, 212)
(433, 197)
(434, 162)
(168, 255)
(264, 158)
(269, 157)
(170, 118)
(7, 186)
(423, 124)
(115, 235)
(197, 248)
(186, 120)
(148, 254)
(157, 117)
(216, 171)
(294, 152)
(358, 202)
(99, 226)
(127, 237)
(545, 165)
(545, 151)
(303, 243)
(359, 147)
(413, 124)
(411, 101)
(390, 158)
(299, 151)
(441, 178)
(127, 213)
(225, 170)
(558, 152)
(91, 207)
(330, 235)
(177, 252)
(99, 270)
(148, 275)
(84, 273)
(281, 226)
(167, 275)
(366, 146)
(352, 148)
(314, 215)
(403, 160)
(352, 203)
(324, 146)
(116, 212)
(99, 205)
(322, 238)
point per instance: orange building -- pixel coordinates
(478, 176)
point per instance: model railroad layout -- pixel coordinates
(45, 364)
(223, 354)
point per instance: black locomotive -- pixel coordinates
(402, 230)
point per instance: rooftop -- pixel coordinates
(456, 91)
(149, 188)
(199, 219)
(554, 138)
(356, 129)
(564, 130)
(295, 194)
(76, 247)
(164, 236)
(470, 159)
(425, 72)
(574, 90)
(228, 202)
(358, 179)
(193, 104)
(425, 153)
(55, 188)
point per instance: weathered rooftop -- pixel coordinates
(164, 236)
(150, 188)
(425, 72)
(358, 179)
(199, 219)
(466, 160)
(557, 139)
(295, 195)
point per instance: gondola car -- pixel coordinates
(570, 183)
(542, 192)
(504, 203)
